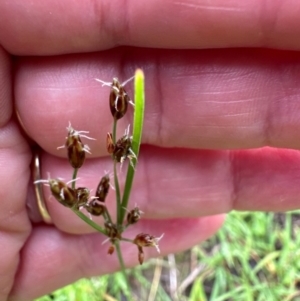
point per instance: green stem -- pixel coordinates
(121, 260)
(117, 186)
(138, 120)
(107, 215)
(90, 222)
(118, 192)
(114, 131)
(127, 240)
(75, 171)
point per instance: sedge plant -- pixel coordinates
(79, 199)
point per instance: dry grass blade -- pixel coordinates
(155, 281)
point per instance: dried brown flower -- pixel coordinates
(94, 207)
(146, 240)
(103, 188)
(112, 231)
(75, 148)
(134, 215)
(122, 149)
(61, 192)
(118, 97)
(82, 194)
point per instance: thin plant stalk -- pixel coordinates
(120, 257)
(117, 188)
(114, 131)
(127, 240)
(116, 180)
(90, 222)
(107, 215)
(138, 120)
(75, 171)
(121, 261)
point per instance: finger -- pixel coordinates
(187, 183)
(85, 256)
(158, 24)
(5, 88)
(14, 176)
(204, 99)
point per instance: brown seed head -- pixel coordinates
(62, 193)
(76, 153)
(75, 148)
(112, 231)
(118, 99)
(103, 188)
(146, 240)
(94, 207)
(82, 194)
(134, 215)
(122, 147)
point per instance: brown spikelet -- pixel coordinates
(76, 153)
(118, 99)
(112, 231)
(133, 216)
(147, 240)
(63, 193)
(122, 149)
(102, 189)
(82, 194)
(94, 207)
(75, 148)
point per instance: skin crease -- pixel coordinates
(221, 127)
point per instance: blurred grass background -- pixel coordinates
(255, 256)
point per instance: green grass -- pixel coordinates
(255, 256)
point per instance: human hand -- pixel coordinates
(199, 104)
